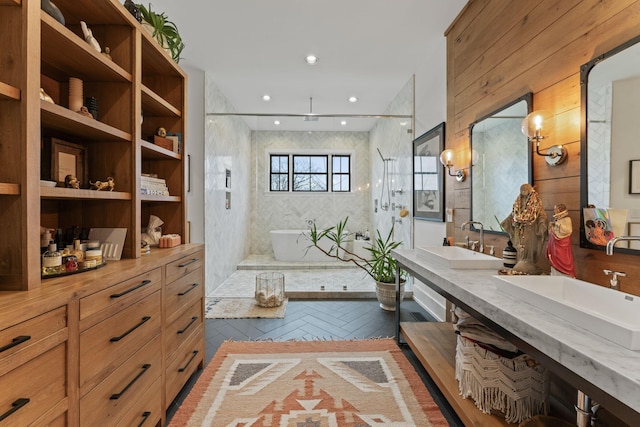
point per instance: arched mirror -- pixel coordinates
(501, 162)
(610, 153)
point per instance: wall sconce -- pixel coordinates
(537, 126)
(447, 159)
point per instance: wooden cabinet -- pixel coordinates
(138, 88)
(33, 361)
(183, 322)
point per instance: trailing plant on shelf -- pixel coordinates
(163, 30)
(381, 266)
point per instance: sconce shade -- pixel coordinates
(475, 156)
(538, 125)
(447, 158)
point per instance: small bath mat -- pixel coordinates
(241, 308)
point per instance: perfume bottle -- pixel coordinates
(77, 250)
(52, 260)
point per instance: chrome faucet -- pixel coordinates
(611, 243)
(464, 225)
(614, 284)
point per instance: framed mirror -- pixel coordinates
(610, 153)
(501, 162)
(428, 177)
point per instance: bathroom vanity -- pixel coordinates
(605, 371)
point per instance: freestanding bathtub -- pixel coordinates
(295, 246)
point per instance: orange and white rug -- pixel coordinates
(309, 384)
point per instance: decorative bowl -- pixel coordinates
(44, 183)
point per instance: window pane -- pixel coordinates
(319, 164)
(301, 164)
(279, 164)
(340, 183)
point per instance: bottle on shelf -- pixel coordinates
(52, 260)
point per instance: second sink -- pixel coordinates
(460, 258)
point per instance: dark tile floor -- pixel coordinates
(320, 319)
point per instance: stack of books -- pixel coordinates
(153, 186)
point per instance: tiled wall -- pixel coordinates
(227, 147)
(290, 211)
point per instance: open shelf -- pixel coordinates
(9, 189)
(10, 2)
(153, 151)
(8, 92)
(73, 194)
(151, 198)
(79, 58)
(155, 105)
(434, 344)
(62, 119)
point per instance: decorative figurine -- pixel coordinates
(85, 112)
(107, 52)
(161, 132)
(559, 246)
(109, 184)
(133, 10)
(70, 181)
(527, 227)
(88, 37)
(45, 96)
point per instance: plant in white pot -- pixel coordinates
(164, 31)
(380, 266)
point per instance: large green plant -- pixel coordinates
(164, 31)
(381, 266)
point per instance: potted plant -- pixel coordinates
(164, 31)
(381, 266)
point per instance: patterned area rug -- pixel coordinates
(309, 384)
(241, 308)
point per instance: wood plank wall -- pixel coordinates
(498, 50)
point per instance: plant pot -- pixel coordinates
(386, 294)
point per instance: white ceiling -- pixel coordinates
(367, 48)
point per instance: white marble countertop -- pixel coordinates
(608, 366)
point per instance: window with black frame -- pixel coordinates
(341, 173)
(279, 173)
(310, 173)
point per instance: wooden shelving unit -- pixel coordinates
(139, 88)
(434, 344)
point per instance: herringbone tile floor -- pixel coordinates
(319, 319)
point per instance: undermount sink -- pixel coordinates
(459, 258)
(611, 314)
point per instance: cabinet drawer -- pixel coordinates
(183, 364)
(182, 293)
(181, 329)
(110, 400)
(183, 266)
(104, 303)
(33, 388)
(146, 412)
(108, 344)
(30, 338)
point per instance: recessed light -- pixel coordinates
(353, 99)
(343, 123)
(276, 122)
(311, 59)
(266, 97)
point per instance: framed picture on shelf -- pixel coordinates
(60, 158)
(428, 178)
(634, 176)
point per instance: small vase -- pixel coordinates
(509, 255)
(52, 10)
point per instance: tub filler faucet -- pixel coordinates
(614, 283)
(464, 226)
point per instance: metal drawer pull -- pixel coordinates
(193, 356)
(144, 319)
(15, 406)
(191, 261)
(145, 416)
(123, 293)
(117, 396)
(14, 342)
(193, 286)
(193, 319)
